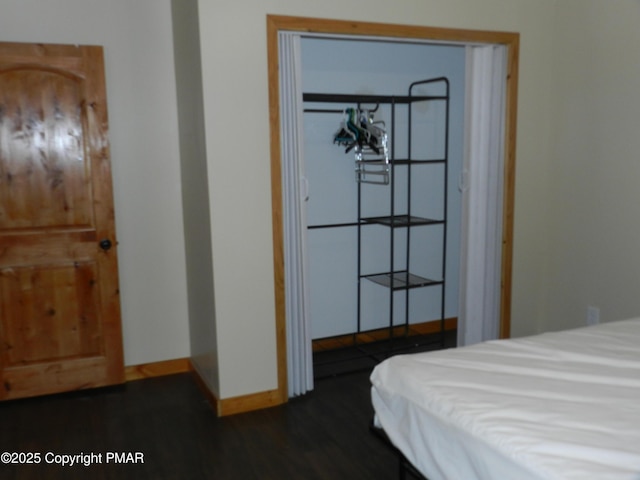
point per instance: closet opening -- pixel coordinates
(357, 221)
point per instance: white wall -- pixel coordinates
(195, 192)
(136, 36)
(234, 63)
(594, 229)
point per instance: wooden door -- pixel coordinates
(59, 300)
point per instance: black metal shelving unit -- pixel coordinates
(398, 278)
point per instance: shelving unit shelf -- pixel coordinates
(401, 221)
(401, 280)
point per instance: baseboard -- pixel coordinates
(241, 404)
(224, 407)
(248, 403)
(433, 327)
(351, 339)
(157, 369)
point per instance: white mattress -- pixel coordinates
(562, 405)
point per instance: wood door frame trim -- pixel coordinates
(276, 23)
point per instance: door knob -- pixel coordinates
(105, 244)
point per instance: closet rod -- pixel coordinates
(323, 110)
(354, 98)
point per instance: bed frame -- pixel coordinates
(404, 466)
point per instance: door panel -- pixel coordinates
(46, 177)
(54, 309)
(59, 299)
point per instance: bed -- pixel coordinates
(555, 406)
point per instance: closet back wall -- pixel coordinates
(331, 65)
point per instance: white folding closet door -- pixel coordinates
(482, 184)
(299, 352)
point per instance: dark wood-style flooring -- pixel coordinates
(169, 424)
(323, 435)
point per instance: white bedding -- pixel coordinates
(555, 406)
